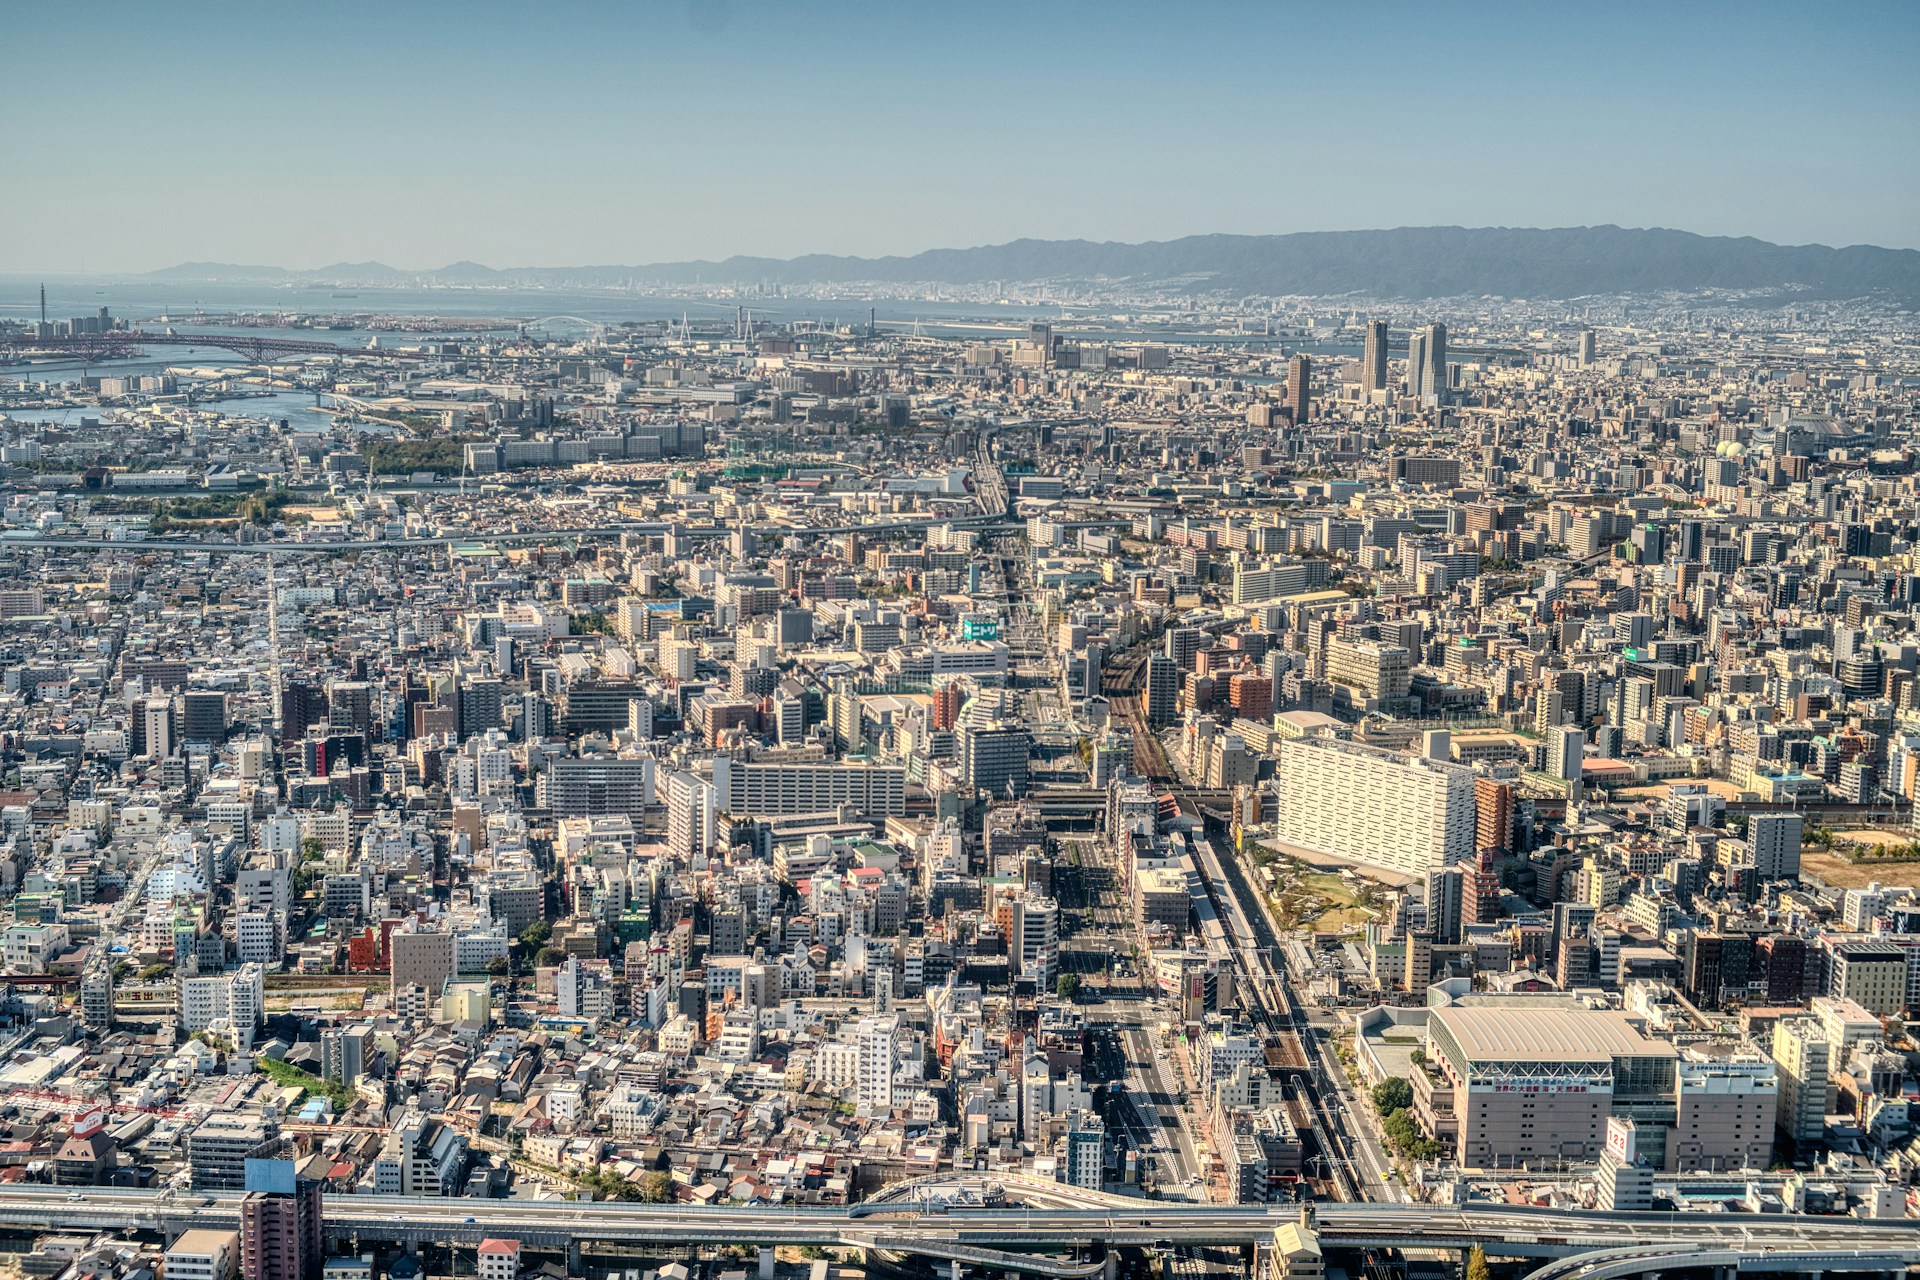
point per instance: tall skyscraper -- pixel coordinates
(1373, 364)
(1416, 362)
(1299, 387)
(1433, 378)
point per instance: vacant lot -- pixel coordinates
(1841, 874)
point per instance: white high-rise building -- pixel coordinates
(691, 806)
(226, 1002)
(874, 1038)
(1379, 808)
(157, 722)
(1035, 944)
(771, 788)
(1566, 752)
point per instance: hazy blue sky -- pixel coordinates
(138, 135)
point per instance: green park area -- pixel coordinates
(1326, 901)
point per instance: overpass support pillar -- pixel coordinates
(953, 1269)
(1111, 1266)
(573, 1258)
(766, 1262)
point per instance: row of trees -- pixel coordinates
(655, 1188)
(1393, 1099)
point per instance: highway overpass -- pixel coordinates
(1016, 1234)
(1642, 1260)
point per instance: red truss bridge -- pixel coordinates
(124, 342)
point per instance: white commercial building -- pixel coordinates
(769, 790)
(1378, 808)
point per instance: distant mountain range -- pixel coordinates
(1407, 262)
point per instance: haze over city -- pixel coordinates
(571, 134)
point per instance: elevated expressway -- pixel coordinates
(1018, 1239)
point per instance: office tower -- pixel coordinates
(1416, 362)
(203, 716)
(282, 1231)
(1433, 380)
(1375, 807)
(421, 958)
(1587, 346)
(1162, 689)
(1775, 841)
(993, 756)
(594, 786)
(1373, 363)
(1299, 388)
